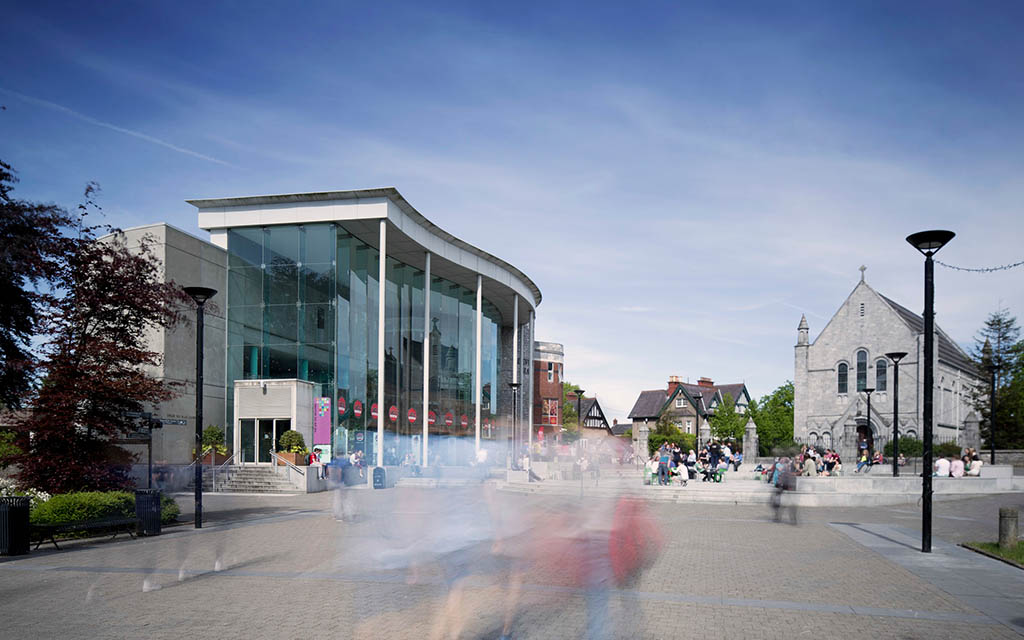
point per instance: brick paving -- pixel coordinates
(726, 571)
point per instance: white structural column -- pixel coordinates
(381, 281)
(426, 360)
(476, 384)
(515, 371)
(530, 376)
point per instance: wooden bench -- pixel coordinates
(117, 523)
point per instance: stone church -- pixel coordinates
(830, 407)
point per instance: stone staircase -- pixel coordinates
(246, 479)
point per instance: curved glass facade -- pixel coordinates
(303, 303)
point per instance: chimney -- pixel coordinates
(673, 382)
(705, 382)
(615, 421)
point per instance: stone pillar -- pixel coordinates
(848, 445)
(640, 435)
(750, 443)
(705, 433)
(972, 434)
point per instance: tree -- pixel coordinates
(1007, 354)
(726, 423)
(569, 418)
(33, 239)
(666, 431)
(773, 415)
(107, 299)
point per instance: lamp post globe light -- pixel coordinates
(988, 356)
(200, 295)
(928, 243)
(896, 356)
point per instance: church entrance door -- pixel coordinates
(864, 433)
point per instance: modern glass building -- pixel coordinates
(354, 320)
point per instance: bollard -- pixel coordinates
(1007, 528)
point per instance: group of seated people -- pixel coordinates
(969, 464)
(670, 463)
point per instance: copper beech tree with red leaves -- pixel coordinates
(103, 301)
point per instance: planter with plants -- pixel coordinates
(291, 446)
(213, 439)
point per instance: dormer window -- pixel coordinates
(680, 402)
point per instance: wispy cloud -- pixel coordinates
(634, 309)
(113, 127)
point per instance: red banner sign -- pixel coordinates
(412, 416)
(431, 418)
(341, 405)
(357, 408)
(393, 413)
(449, 418)
(465, 420)
(373, 410)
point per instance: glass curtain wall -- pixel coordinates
(303, 303)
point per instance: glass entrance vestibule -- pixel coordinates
(260, 437)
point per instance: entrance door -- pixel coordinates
(259, 437)
(864, 433)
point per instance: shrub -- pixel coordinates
(85, 505)
(686, 441)
(90, 505)
(291, 441)
(9, 489)
(947, 449)
(169, 509)
(909, 447)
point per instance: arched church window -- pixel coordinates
(841, 377)
(912, 434)
(881, 375)
(812, 438)
(862, 370)
(826, 439)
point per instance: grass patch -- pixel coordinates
(1016, 554)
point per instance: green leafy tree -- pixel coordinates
(1007, 354)
(570, 420)
(727, 422)
(773, 415)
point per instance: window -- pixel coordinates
(881, 373)
(862, 370)
(689, 426)
(843, 372)
(551, 372)
(862, 309)
(680, 402)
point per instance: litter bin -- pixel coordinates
(147, 510)
(14, 534)
(379, 478)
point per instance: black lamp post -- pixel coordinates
(515, 410)
(928, 243)
(200, 295)
(869, 391)
(986, 353)
(896, 356)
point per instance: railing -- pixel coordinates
(221, 466)
(276, 461)
(196, 461)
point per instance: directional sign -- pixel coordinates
(412, 416)
(393, 413)
(357, 408)
(137, 414)
(171, 421)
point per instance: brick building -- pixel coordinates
(548, 361)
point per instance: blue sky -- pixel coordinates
(681, 182)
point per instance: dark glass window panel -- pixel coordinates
(245, 247)
(319, 243)
(862, 370)
(318, 323)
(245, 316)
(281, 284)
(281, 361)
(318, 363)
(281, 324)
(842, 378)
(281, 244)
(248, 435)
(881, 375)
(317, 282)
(245, 286)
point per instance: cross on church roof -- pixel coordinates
(863, 268)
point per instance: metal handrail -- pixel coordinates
(200, 457)
(221, 468)
(277, 458)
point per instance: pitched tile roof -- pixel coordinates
(949, 352)
(649, 404)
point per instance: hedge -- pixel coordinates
(909, 447)
(90, 505)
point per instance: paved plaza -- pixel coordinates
(289, 569)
